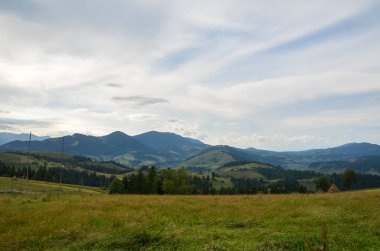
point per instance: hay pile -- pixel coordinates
(334, 189)
(320, 190)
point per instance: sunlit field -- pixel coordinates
(89, 221)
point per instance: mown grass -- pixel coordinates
(144, 222)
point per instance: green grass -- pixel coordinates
(138, 222)
(211, 159)
(42, 187)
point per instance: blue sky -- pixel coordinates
(266, 74)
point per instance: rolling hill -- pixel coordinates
(217, 156)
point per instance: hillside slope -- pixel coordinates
(217, 156)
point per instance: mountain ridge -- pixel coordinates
(6, 137)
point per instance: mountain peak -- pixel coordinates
(117, 134)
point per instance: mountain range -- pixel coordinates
(6, 137)
(168, 149)
(151, 148)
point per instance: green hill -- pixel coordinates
(217, 156)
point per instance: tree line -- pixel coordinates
(52, 174)
(149, 180)
(349, 180)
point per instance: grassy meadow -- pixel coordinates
(88, 221)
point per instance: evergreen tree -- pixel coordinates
(152, 180)
(349, 178)
(116, 187)
(323, 183)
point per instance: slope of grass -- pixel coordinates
(19, 160)
(137, 222)
(42, 187)
(210, 159)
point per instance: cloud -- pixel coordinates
(141, 117)
(140, 100)
(175, 121)
(113, 85)
(7, 128)
(11, 121)
(3, 111)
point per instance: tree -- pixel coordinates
(152, 180)
(126, 184)
(176, 181)
(323, 183)
(349, 178)
(116, 187)
(141, 182)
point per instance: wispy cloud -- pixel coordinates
(113, 85)
(10, 121)
(141, 100)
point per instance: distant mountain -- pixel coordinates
(365, 164)
(116, 144)
(171, 144)
(6, 137)
(346, 151)
(151, 148)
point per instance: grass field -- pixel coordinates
(87, 221)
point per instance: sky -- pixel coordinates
(278, 75)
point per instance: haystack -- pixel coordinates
(334, 189)
(320, 190)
